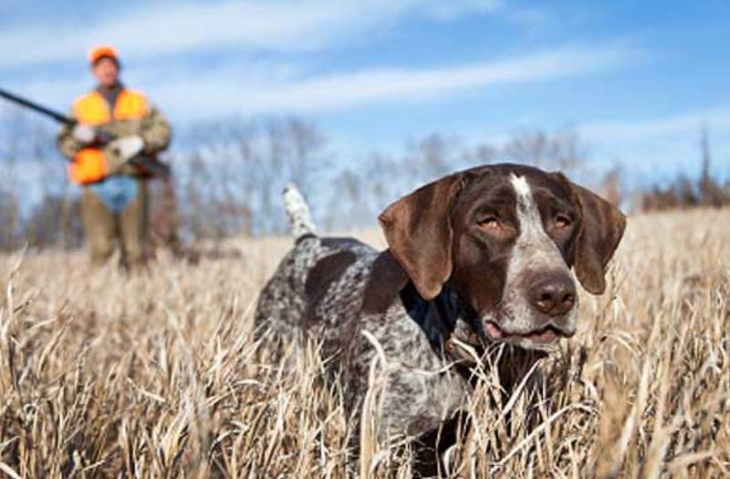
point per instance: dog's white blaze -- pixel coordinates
(528, 215)
(533, 250)
(522, 187)
(532, 238)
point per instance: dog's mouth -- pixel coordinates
(545, 336)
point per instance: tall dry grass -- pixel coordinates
(103, 375)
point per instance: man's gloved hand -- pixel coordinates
(128, 147)
(83, 133)
(121, 150)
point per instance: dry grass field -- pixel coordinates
(104, 375)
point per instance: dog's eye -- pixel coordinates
(489, 222)
(562, 221)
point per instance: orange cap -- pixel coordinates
(102, 51)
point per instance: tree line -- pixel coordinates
(685, 192)
(228, 177)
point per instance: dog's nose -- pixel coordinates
(553, 294)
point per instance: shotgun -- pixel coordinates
(157, 168)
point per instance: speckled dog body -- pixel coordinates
(482, 256)
(337, 318)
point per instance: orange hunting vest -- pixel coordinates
(89, 164)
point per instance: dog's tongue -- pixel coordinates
(493, 331)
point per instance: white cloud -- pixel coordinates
(447, 10)
(231, 91)
(280, 25)
(629, 133)
(271, 88)
(684, 123)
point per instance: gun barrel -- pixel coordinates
(31, 105)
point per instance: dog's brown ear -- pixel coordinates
(418, 230)
(601, 230)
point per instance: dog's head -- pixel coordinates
(505, 238)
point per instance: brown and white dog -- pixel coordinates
(483, 256)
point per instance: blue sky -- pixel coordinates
(635, 79)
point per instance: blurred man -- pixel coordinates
(115, 125)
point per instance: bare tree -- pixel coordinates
(685, 193)
(610, 187)
(432, 156)
(563, 150)
(687, 196)
(711, 193)
(233, 181)
(44, 225)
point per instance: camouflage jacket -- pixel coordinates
(153, 128)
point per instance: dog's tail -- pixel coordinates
(300, 218)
